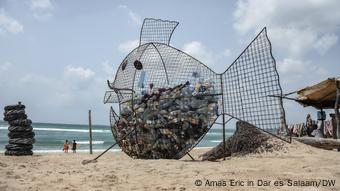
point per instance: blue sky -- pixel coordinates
(57, 55)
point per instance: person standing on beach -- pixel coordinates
(309, 125)
(74, 146)
(65, 148)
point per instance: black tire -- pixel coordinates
(20, 128)
(14, 135)
(18, 147)
(19, 153)
(12, 107)
(14, 112)
(23, 141)
(20, 122)
(14, 117)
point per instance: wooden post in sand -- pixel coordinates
(336, 108)
(90, 131)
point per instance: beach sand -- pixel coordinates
(116, 171)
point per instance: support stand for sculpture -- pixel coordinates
(101, 154)
(223, 119)
(217, 123)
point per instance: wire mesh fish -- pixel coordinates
(170, 99)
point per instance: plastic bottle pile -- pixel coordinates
(21, 136)
(167, 122)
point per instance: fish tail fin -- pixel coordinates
(251, 87)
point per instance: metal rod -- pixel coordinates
(101, 154)
(283, 97)
(199, 140)
(223, 118)
(114, 144)
(90, 131)
(192, 158)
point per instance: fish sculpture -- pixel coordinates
(168, 100)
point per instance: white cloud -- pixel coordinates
(326, 42)
(33, 78)
(5, 67)
(42, 9)
(199, 51)
(41, 4)
(227, 52)
(79, 72)
(127, 46)
(109, 69)
(9, 24)
(71, 96)
(298, 71)
(290, 66)
(135, 19)
(298, 27)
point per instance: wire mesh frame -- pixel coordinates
(240, 108)
(246, 85)
(163, 34)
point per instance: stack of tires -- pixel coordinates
(21, 136)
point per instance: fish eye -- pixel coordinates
(124, 64)
(138, 65)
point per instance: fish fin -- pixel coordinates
(157, 30)
(251, 86)
(111, 97)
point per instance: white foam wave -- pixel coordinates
(3, 127)
(87, 142)
(197, 148)
(71, 130)
(70, 151)
(216, 141)
(64, 130)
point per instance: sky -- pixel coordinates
(56, 55)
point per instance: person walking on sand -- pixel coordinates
(65, 148)
(74, 146)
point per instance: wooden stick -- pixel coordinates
(319, 142)
(336, 108)
(90, 132)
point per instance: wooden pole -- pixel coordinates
(336, 107)
(90, 131)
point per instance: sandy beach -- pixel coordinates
(116, 171)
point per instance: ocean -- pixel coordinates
(50, 137)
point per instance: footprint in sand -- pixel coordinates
(59, 180)
(111, 178)
(22, 166)
(3, 165)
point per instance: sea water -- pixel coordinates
(51, 137)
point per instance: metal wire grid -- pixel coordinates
(157, 30)
(249, 81)
(246, 85)
(167, 67)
